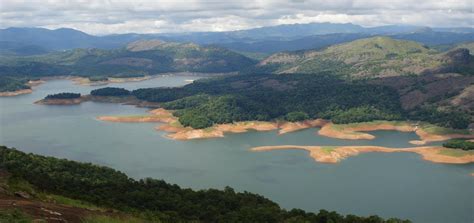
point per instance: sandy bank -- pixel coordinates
(337, 154)
(15, 93)
(296, 126)
(86, 82)
(178, 132)
(358, 131)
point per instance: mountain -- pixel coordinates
(63, 38)
(368, 58)
(430, 37)
(31, 41)
(141, 57)
(309, 42)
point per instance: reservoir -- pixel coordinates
(386, 184)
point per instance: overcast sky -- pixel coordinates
(147, 16)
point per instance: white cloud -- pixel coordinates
(147, 16)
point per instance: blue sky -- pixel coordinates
(146, 16)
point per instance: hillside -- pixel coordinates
(368, 58)
(58, 190)
(141, 57)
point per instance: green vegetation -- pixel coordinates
(71, 202)
(456, 152)
(155, 199)
(328, 149)
(370, 58)
(12, 84)
(297, 116)
(449, 119)
(108, 219)
(459, 144)
(359, 114)
(110, 91)
(265, 97)
(14, 216)
(65, 95)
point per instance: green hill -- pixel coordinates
(142, 57)
(365, 58)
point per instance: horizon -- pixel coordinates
(182, 32)
(145, 17)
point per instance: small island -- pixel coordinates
(66, 98)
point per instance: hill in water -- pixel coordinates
(141, 57)
(369, 58)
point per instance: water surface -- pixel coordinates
(390, 185)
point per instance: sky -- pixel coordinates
(101, 17)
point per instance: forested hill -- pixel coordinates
(143, 57)
(153, 200)
(371, 58)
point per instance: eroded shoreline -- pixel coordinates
(355, 131)
(335, 154)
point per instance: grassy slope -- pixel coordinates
(364, 58)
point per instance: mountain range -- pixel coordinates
(33, 41)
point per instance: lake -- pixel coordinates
(390, 185)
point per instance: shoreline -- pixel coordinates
(355, 131)
(358, 131)
(127, 100)
(176, 131)
(335, 154)
(84, 81)
(30, 84)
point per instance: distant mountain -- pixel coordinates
(369, 58)
(31, 41)
(141, 57)
(309, 42)
(430, 37)
(427, 37)
(63, 39)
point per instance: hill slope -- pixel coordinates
(154, 200)
(369, 58)
(142, 57)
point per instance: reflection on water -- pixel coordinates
(390, 185)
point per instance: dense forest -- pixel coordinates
(459, 144)
(110, 91)
(159, 200)
(268, 96)
(291, 97)
(65, 95)
(12, 84)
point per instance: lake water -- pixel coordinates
(390, 185)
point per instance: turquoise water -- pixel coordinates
(390, 185)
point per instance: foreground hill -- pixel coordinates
(36, 178)
(370, 58)
(142, 57)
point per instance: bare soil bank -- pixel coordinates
(330, 154)
(358, 131)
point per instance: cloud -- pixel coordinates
(147, 16)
